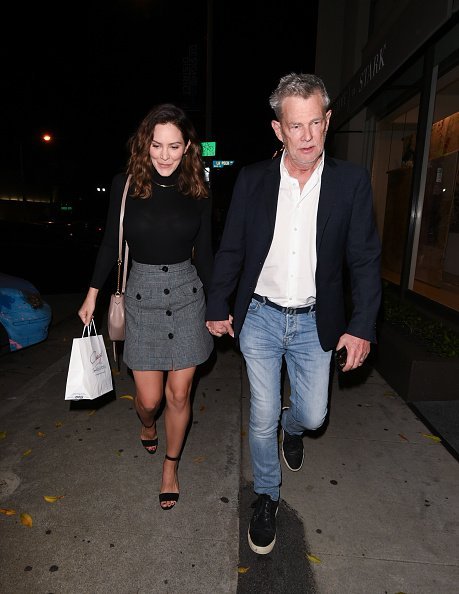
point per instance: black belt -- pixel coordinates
(286, 310)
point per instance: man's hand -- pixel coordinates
(358, 350)
(221, 327)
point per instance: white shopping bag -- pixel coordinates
(89, 374)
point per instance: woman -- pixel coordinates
(167, 220)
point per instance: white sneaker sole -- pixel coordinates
(260, 550)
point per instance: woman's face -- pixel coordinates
(167, 148)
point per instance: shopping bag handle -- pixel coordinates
(89, 327)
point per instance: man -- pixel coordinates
(294, 224)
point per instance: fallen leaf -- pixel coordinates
(26, 520)
(127, 397)
(2, 434)
(313, 558)
(26, 453)
(52, 498)
(115, 371)
(118, 453)
(202, 407)
(432, 437)
(58, 424)
(198, 459)
(91, 412)
(41, 434)
(389, 394)
(241, 569)
(243, 432)
(7, 512)
(403, 437)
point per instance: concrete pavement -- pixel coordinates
(375, 504)
(378, 497)
(108, 534)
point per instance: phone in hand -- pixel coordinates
(341, 357)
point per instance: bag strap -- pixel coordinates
(88, 328)
(120, 242)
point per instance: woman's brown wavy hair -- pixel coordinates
(191, 181)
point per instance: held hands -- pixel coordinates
(86, 311)
(221, 327)
(358, 350)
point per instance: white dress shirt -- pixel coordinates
(288, 274)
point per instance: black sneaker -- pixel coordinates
(292, 450)
(262, 527)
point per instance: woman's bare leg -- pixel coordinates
(149, 393)
(176, 418)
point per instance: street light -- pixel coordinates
(47, 138)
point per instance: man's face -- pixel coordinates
(302, 129)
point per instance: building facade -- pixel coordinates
(392, 70)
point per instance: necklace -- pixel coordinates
(163, 185)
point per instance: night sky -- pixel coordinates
(88, 72)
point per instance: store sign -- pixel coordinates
(368, 74)
(387, 51)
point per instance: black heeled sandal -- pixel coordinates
(169, 496)
(148, 443)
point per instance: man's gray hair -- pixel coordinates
(297, 85)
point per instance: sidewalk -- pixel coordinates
(108, 534)
(376, 502)
(378, 497)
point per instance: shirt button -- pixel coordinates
(194, 289)
(164, 268)
(168, 312)
(138, 296)
(166, 291)
(170, 335)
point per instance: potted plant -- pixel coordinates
(416, 354)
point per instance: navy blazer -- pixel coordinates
(346, 233)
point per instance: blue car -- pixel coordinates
(24, 316)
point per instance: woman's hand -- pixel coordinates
(86, 311)
(221, 327)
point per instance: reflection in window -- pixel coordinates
(395, 146)
(437, 262)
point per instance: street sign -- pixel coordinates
(220, 164)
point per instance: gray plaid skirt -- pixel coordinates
(165, 318)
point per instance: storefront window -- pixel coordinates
(393, 158)
(437, 257)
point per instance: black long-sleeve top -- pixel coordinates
(161, 229)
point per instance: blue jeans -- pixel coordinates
(266, 337)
